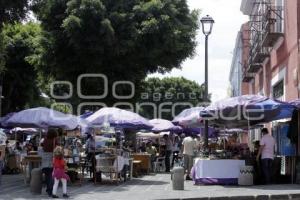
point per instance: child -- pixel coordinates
(59, 172)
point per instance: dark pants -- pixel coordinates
(267, 169)
(167, 160)
(48, 178)
(91, 158)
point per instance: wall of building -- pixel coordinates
(245, 53)
(283, 62)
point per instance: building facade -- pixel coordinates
(240, 54)
(271, 62)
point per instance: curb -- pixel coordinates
(258, 197)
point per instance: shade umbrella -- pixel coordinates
(4, 119)
(151, 134)
(161, 125)
(43, 118)
(212, 132)
(118, 118)
(86, 115)
(295, 103)
(189, 117)
(246, 110)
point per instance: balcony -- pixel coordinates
(260, 54)
(254, 67)
(247, 77)
(273, 26)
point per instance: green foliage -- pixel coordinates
(19, 78)
(168, 92)
(13, 11)
(123, 39)
(10, 11)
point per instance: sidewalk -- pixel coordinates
(154, 187)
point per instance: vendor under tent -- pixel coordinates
(246, 110)
(118, 118)
(189, 118)
(162, 125)
(234, 115)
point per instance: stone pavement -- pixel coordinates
(152, 187)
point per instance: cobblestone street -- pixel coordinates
(148, 187)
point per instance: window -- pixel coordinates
(279, 15)
(278, 90)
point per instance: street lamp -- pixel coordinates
(207, 25)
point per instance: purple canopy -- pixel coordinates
(246, 110)
(212, 133)
(42, 118)
(4, 119)
(118, 118)
(295, 103)
(86, 115)
(161, 125)
(189, 118)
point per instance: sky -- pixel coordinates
(228, 20)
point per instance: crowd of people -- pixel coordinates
(174, 149)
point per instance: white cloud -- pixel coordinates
(228, 20)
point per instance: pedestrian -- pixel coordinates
(48, 145)
(150, 149)
(266, 151)
(59, 174)
(198, 143)
(168, 151)
(189, 146)
(90, 152)
(175, 149)
(18, 147)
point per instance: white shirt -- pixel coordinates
(189, 145)
(269, 143)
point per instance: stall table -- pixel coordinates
(223, 172)
(145, 161)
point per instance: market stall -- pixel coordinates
(112, 160)
(243, 112)
(41, 118)
(225, 172)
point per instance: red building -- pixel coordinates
(271, 50)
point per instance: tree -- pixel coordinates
(10, 11)
(20, 88)
(122, 39)
(13, 10)
(168, 94)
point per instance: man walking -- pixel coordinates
(266, 150)
(189, 145)
(168, 151)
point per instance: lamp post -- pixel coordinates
(207, 25)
